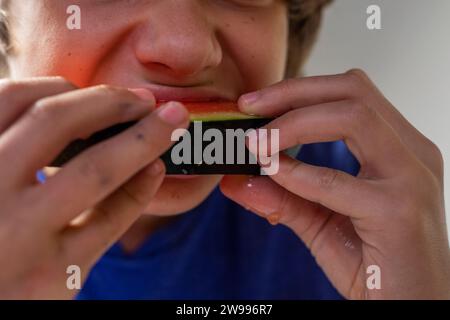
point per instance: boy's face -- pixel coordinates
(221, 48)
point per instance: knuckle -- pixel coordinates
(285, 203)
(436, 154)
(121, 103)
(109, 91)
(137, 197)
(286, 209)
(359, 114)
(123, 99)
(122, 111)
(64, 82)
(291, 171)
(289, 85)
(357, 73)
(46, 108)
(357, 79)
(110, 227)
(318, 234)
(10, 87)
(327, 178)
(91, 169)
(142, 133)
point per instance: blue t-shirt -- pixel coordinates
(219, 250)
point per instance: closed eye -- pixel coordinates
(249, 3)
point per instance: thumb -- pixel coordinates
(271, 201)
(330, 236)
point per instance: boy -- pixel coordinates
(378, 203)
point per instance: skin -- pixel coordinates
(149, 43)
(391, 215)
(210, 44)
(349, 223)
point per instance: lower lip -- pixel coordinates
(182, 176)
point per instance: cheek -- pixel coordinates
(73, 54)
(260, 49)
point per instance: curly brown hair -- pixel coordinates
(4, 34)
(304, 21)
(305, 17)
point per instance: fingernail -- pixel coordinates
(144, 94)
(173, 113)
(156, 168)
(248, 101)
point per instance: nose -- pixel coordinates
(177, 39)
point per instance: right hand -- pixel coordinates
(110, 183)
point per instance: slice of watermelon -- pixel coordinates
(219, 116)
(214, 111)
(213, 115)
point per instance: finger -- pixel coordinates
(53, 122)
(97, 172)
(330, 236)
(297, 93)
(263, 196)
(333, 189)
(373, 142)
(18, 95)
(109, 220)
(353, 85)
(423, 148)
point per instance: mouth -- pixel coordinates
(182, 176)
(187, 94)
(210, 112)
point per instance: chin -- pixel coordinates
(178, 195)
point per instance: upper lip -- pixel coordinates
(186, 94)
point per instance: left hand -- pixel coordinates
(391, 215)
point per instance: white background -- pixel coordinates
(409, 59)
